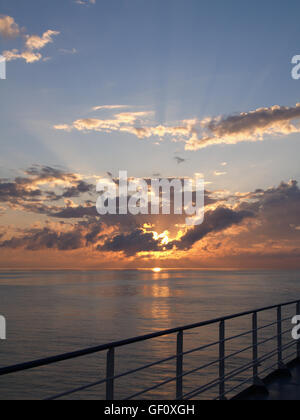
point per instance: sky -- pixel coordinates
(167, 87)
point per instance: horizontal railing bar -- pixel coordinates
(229, 376)
(207, 346)
(190, 372)
(161, 362)
(237, 353)
(217, 382)
(273, 323)
(289, 355)
(234, 337)
(73, 391)
(235, 372)
(287, 331)
(268, 368)
(202, 389)
(212, 384)
(235, 388)
(116, 344)
(267, 326)
(251, 379)
(151, 388)
(121, 375)
(267, 340)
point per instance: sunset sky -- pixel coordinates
(98, 86)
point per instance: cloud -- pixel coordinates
(132, 243)
(219, 173)
(70, 51)
(35, 42)
(32, 45)
(247, 126)
(197, 134)
(10, 191)
(215, 221)
(109, 107)
(40, 186)
(85, 2)
(28, 56)
(8, 27)
(259, 229)
(263, 223)
(121, 122)
(77, 212)
(38, 239)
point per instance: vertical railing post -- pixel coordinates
(298, 342)
(255, 347)
(179, 367)
(279, 337)
(110, 373)
(222, 360)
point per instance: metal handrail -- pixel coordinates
(232, 374)
(179, 357)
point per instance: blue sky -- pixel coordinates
(180, 59)
(96, 86)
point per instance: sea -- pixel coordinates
(54, 312)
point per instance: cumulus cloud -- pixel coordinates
(264, 222)
(131, 243)
(215, 221)
(32, 44)
(28, 56)
(8, 27)
(35, 42)
(40, 186)
(38, 239)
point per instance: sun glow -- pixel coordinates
(163, 237)
(156, 270)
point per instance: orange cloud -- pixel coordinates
(33, 43)
(197, 134)
(8, 27)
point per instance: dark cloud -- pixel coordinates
(274, 219)
(38, 239)
(132, 243)
(215, 221)
(12, 191)
(246, 126)
(31, 193)
(80, 188)
(140, 241)
(277, 211)
(47, 173)
(249, 122)
(77, 212)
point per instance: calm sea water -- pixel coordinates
(49, 313)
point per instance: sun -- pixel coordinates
(156, 270)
